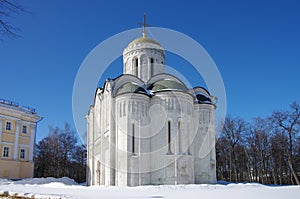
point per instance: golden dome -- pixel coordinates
(143, 40)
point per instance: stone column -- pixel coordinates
(31, 145)
(16, 144)
(88, 152)
(150, 72)
(1, 121)
(112, 138)
(92, 155)
(139, 74)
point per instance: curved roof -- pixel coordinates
(163, 76)
(143, 40)
(199, 89)
(130, 88)
(166, 84)
(203, 99)
(202, 95)
(123, 79)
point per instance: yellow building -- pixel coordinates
(17, 137)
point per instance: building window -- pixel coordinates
(124, 108)
(120, 109)
(136, 68)
(5, 152)
(151, 66)
(179, 137)
(8, 126)
(98, 172)
(169, 137)
(24, 129)
(22, 154)
(133, 140)
(188, 139)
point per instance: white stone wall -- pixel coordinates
(189, 159)
(131, 124)
(172, 166)
(144, 53)
(90, 147)
(203, 145)
(128, 134)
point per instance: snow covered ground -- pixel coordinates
(67, 188)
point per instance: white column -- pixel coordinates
(1, 121)
(91, 133)
(31, 145)
(111, 145)
(16, 145)
(149, 69)
(139, 74)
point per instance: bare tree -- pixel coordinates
(267, 150)
(58, 155)
(258, 141)
(279, 167)
(232, 134)
(9, 8)
(289, 122)
(68, 142)
(223, 159)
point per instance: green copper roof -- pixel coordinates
(130, 88)
(143, 40)
(166, 85)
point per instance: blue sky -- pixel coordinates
(255, 44)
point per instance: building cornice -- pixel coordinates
(12, 112)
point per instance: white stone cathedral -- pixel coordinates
(147, 128)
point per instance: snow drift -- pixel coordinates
(68, 188)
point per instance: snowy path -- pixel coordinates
(57, 188)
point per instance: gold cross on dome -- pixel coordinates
(144, 24)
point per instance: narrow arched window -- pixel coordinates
(136, 68)
(169, 137)
(133, 140)
(98, 172)
(124, 108)
(152, 67)
(179, 137)
(188, 139)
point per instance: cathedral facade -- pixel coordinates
(147, 128)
